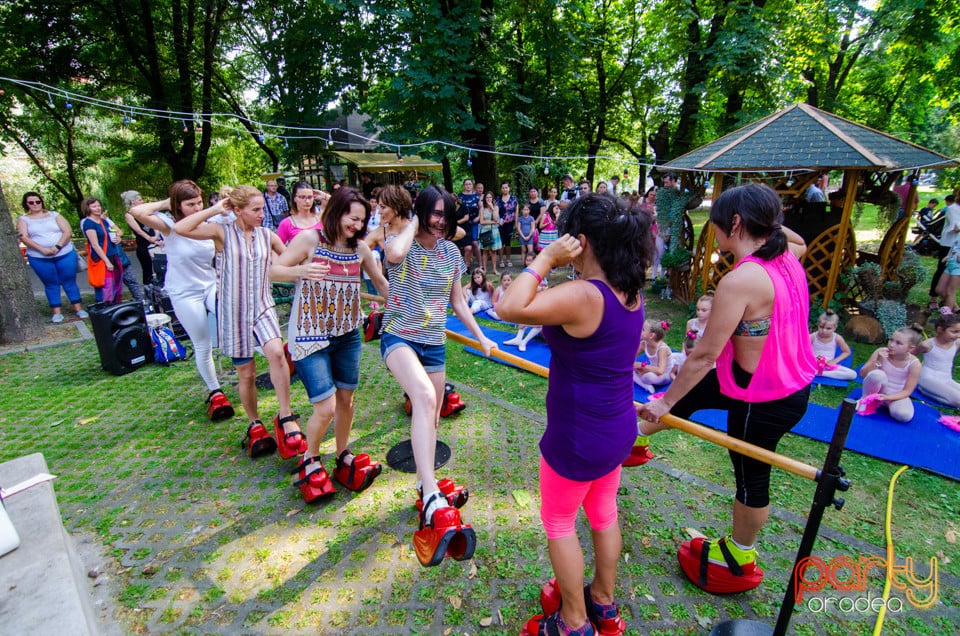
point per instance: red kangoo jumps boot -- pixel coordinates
(358, 475)
(728, 578)
(639, 456)
(258, 441)
(550, 597)
(290, 444)
(452, 403)
(444, 536)
(315, 485)
(219, 407)
(457, 496)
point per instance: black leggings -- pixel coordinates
(759, 423)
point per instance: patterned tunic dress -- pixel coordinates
(329, 307)
(245, 307)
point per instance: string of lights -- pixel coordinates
(285, 133)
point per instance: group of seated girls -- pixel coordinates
(482, 296)
(890, 374)
(662, 365)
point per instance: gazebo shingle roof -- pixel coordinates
(803, 137)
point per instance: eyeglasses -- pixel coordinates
(34, 202)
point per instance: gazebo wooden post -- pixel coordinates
(851, 181)
(706, 264)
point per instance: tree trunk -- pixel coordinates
(19, 316)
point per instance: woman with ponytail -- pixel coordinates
(764, 366)
(593, 326)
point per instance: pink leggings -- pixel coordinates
(561, 498)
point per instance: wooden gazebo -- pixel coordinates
(789, 150)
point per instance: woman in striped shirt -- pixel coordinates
(424, 269)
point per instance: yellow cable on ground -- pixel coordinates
(878, 626)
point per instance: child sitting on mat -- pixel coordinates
(523, 336)
(892, 373)
(699, 322)
(505, 281)
(825, 341)
(679, 357)
(936, 375)
(656, 372)
(479, 295)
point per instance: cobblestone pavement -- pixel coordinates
(204, 540)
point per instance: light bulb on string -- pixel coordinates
(285, 144)
(186, 129)
(69, 106)
(469, 158)
(126, 120)
(50, 101)
(260, 137)
(399, 156)
(546, 168)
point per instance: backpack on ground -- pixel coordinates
(166, 347)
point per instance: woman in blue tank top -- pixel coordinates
(593, 327)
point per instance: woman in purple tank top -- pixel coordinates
(593, 327)
(764, 365)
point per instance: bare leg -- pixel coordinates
(425, 391)
(343, 421)
(280, 376)
(567, 560)
(246, 378)
(747, 522)
(607, 545)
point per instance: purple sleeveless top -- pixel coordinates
(591, 420)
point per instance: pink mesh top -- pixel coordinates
(787, 363)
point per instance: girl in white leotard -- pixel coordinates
(893, 372)
(936, 376)
(825, 341)
(657, 371)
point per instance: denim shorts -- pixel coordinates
(432, 357)
(335, 367)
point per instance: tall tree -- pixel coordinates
(19, 314)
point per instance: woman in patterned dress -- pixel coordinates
(324, 334)
(246, 316)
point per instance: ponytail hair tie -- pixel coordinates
(665, 325)
(692, 334)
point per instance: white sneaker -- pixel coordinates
(57, 318)
(82, 313)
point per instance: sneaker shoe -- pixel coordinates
(56, 319)
(81, 314)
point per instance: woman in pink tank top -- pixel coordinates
(764, 365)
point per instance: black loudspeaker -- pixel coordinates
(122, 336)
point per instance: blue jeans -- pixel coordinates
(57, 272)
(335, 367)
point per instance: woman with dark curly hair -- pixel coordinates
(593, 326)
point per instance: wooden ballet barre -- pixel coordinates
(697, 430)
(744, 448)
(517, 361)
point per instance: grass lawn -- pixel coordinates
(205, 540)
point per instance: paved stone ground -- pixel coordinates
(203, 540)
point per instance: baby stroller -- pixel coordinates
(927, 230)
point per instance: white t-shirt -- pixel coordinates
(950, 226)
(189, 262)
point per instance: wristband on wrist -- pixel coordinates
(533, 272)
(58, 246)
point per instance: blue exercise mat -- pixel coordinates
(922, 443)
(639, 395)
(537, 350)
